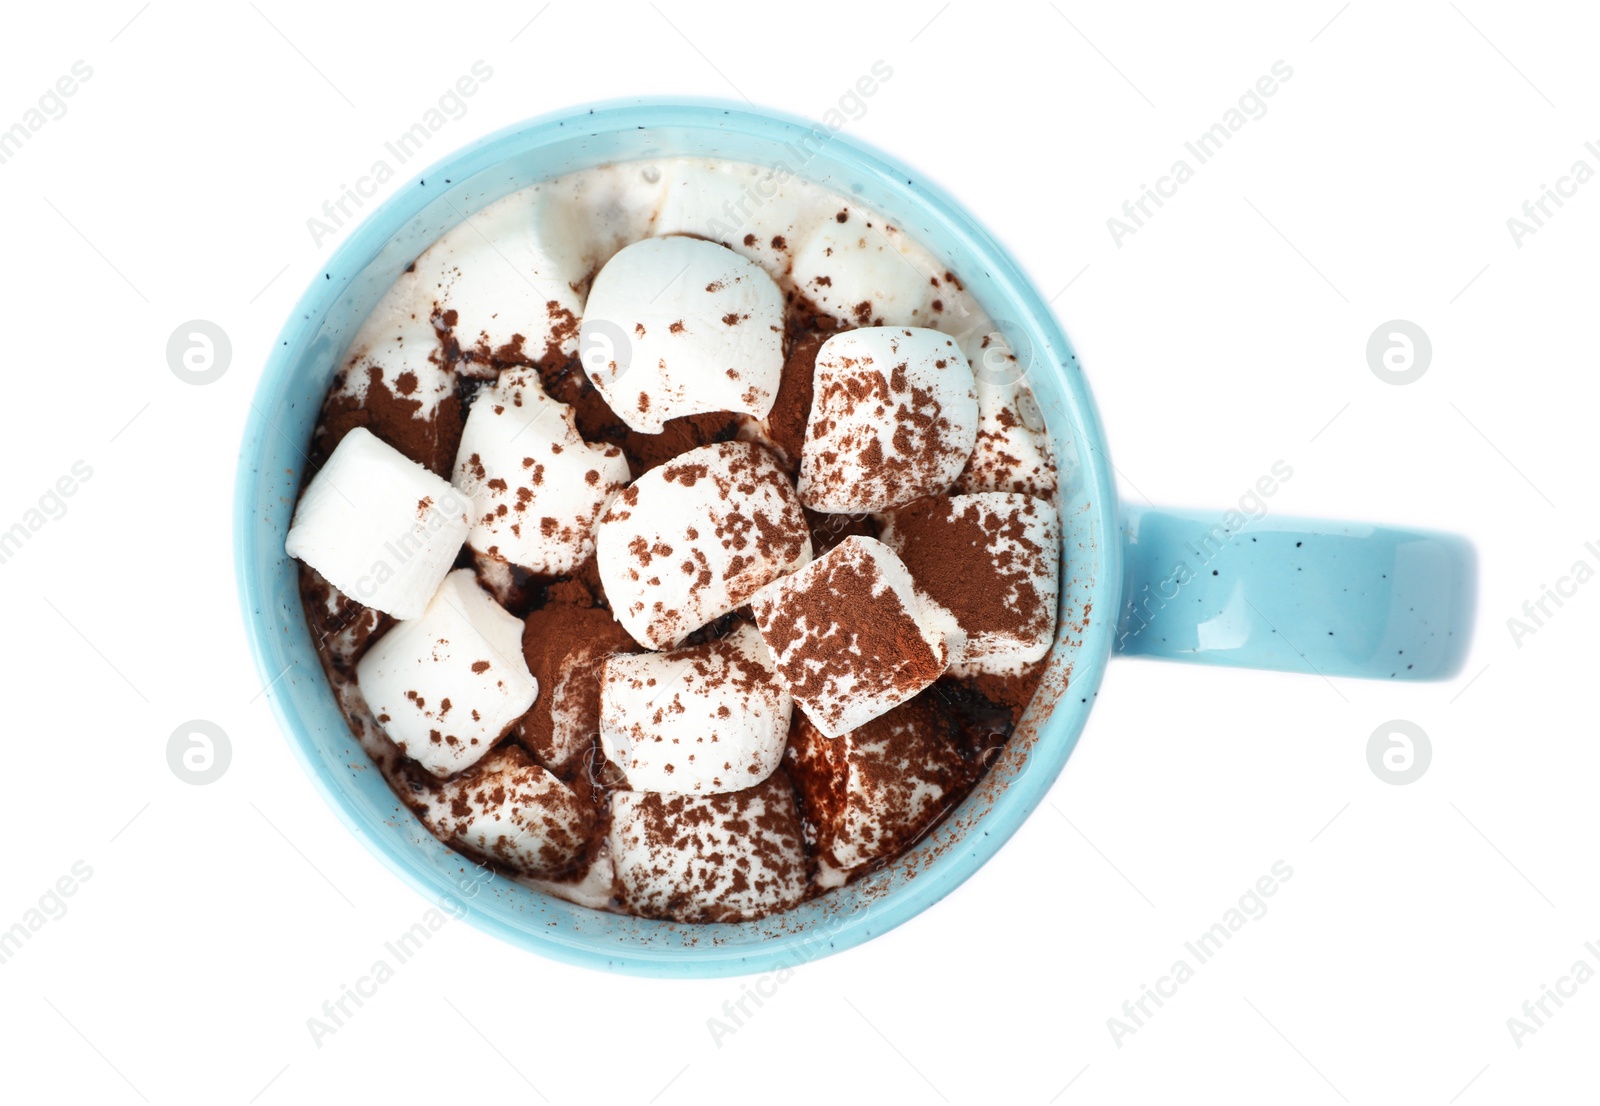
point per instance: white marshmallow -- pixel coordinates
(1009, 541)
(866, 272)
(869, 792)
(689, 326)
(745, 207)
(584, 218)
(1012, 452)
(508, 273)
(499, 579)
(694, 538)
(447, 686)
(536, 485)
(709, 858)
(398, 339)
(380, 527)
(594, 885)
(341, 625)
(700, 720)
(511, 810)
(943, 621)
(894, 414)
(849, 636)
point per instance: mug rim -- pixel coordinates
(1057, 732)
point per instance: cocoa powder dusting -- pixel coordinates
(563, 643)
(806, 329)
(430, 441)
(846, 628)
(950, 551)
(917, 761)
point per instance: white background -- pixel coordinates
(1226, 334)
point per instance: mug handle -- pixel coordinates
(1295, 595)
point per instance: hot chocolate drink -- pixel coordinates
(681, 539)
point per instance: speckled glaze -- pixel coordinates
(1295, 595)
(308, 352)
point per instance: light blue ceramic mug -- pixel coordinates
(1233, 587)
